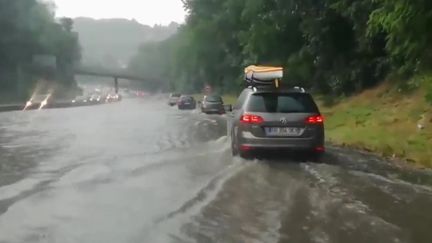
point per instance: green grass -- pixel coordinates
(230, 99)
(385, 124)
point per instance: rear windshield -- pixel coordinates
(186, 98)
(282, 103)
(213, 99)
(175, 95)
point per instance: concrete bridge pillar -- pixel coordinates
(116, 86)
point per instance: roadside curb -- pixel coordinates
(11, 107)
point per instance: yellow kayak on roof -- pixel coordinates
(254, 68)
(268, 73)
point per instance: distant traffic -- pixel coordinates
(267, 117)
(209, 104)
(46, 101)
(95, 96)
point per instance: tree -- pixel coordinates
(333, 46)
(28, 28)
(407, 28)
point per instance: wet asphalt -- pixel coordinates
(140, 171)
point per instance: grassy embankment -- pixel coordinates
(383, 121)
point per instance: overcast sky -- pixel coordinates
(148, 12)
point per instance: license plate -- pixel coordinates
(284, 131)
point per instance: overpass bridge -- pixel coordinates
(46, 65)
(115, 75)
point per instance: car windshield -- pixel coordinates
(282, 103)
(213, 99)
(186, 98)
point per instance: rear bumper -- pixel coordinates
(247, 140)
(190, 106)
(173, 101)
(213, 110)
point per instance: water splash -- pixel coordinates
(44, 102)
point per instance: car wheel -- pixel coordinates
(234, 146)
(316, 157)
(246, 155)
(236, 151)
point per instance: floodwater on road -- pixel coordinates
(140, 171)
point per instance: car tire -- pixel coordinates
(234, 146)
(246, 155)
(316, 157)
(236, 151)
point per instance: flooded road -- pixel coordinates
(139, 171)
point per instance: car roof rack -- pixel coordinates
(299, 89)
(295, 89)
(253, 88)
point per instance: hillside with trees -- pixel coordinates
(335, 47)
(112, 42)
(28, 29)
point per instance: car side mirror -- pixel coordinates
(228, 108)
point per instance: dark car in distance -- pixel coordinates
(95, 98)
(186, 103)
(276, 120)
(212, 104)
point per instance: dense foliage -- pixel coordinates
(28, 29)
(333, 46)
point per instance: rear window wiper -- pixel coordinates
(292, 111)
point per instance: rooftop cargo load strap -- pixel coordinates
(263, 75)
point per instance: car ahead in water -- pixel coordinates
(186, 103)
(109, 98)
(276, 120)
(173, 99)
(81, 100)
(95, 98)
(212, 104)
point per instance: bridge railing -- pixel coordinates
(116, 74)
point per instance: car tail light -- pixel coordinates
(320, 149)
(245, 148)
(315, 120)
(251, 119)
